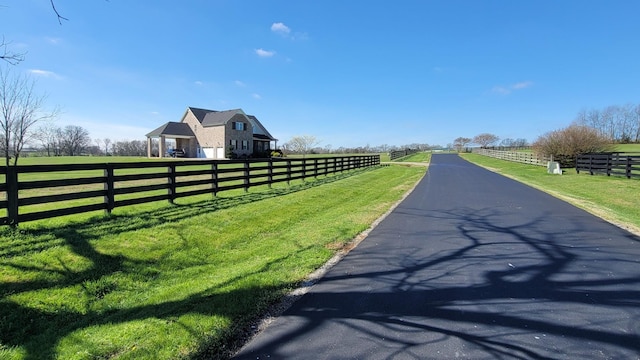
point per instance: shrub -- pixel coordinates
(571, 141)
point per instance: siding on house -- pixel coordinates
(215, 132)
(239, 135)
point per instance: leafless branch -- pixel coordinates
(60, 17)
(6, 55)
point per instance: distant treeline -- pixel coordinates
(620, 124)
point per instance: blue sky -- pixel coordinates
(350, 73)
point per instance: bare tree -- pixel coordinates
(460, 143)
(636, 120)
(618, 123)
(106, 142)
(302, 144)
(130, 148)
(20, 110)
(50, 137)
(571, 141)
(485, 139)
(75, 140)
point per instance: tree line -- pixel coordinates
(73, 140)
(618, 123)
(485, 140)
(309, 144)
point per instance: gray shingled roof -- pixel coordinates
(172, 129)
(212, 117)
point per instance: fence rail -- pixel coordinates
(401, 153)
(35, 192)
(618, 164)
(521, 157)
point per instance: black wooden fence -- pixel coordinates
(34, 192)
(620, 164)
(396, 154)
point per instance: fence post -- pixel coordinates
(171, 178)
(214, 178)
(304, 169)
(12, 195)
(609, 161)
(247, 172)
(109, 188)
(288, 172)
(590, 164)
(270, 172)
(628, 167)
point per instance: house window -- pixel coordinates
(239, 126)
(245, 145)
(234, 144)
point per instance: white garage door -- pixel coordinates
(220, 153)
(208, 152)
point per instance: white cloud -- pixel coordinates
(522, 85)
(506, 90)
(45, 73)
(53, 41)
(285, 31)
(500, 90)
(239, 83)
(280, 28)
(199, 83)
(256, 96)
(265, 53)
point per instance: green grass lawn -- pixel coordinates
(632, 148)
(612, 198)
(182, 281)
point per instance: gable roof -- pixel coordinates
(172, 128)
(213, 117)
(259, 131)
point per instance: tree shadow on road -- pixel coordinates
(489, 288)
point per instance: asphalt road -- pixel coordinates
(471, 265)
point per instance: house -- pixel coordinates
(214, 134)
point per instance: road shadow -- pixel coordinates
(490, 287)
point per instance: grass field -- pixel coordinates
(634, 148)
(612, 198)
(181, 281)
(419, 157)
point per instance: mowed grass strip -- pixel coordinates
(612, 198)
(181, 281)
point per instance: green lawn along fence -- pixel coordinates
(618, 164)
(35, 192)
